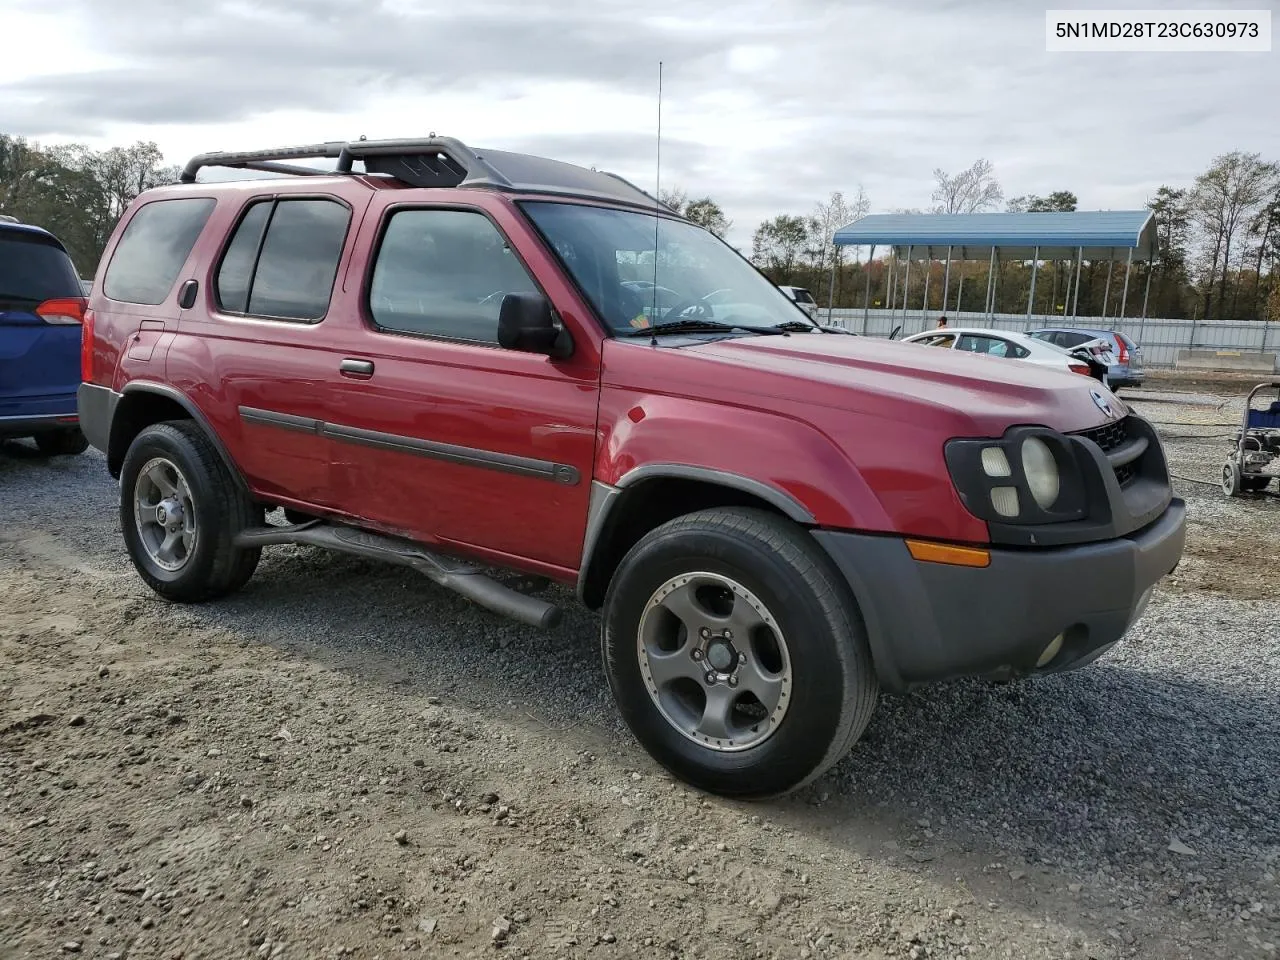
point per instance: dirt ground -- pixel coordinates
(180, 783)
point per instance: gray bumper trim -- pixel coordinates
(930, 621)
(97, 406)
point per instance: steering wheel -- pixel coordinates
(694, 306)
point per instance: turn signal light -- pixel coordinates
(930, 552)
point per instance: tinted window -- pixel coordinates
(1074, 339)
(299, 260)
(937, 340)
(32, 270)
(153, 248)
(804, 296)
(444, 273)
(237, 262)
(991, 346)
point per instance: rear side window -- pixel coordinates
(33, 269)
(443, 273)
(283, 258)
(153, 248)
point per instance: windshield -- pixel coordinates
(697, 277)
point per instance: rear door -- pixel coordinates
(39, 356)
(255, 347)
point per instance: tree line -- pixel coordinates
(75, 192)
(1219, 236)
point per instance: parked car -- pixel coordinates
(1004, 344)
(776, 522)
(803, 299)
(1125, 369)
(41, 307)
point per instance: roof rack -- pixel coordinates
(436, 162)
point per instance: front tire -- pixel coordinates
(62, 443)
(180, 509)
(736, 653)
(1232, 481)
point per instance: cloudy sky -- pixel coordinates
(769, 105)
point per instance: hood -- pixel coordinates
(896, 380)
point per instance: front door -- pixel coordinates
(441, 434)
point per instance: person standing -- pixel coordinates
(942, 322)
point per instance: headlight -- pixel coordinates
(1030, 476)
(1041, 469)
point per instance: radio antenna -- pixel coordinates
(657, 218)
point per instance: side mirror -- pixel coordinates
(525, 322)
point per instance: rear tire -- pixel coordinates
(180, 509)
(796, 634)
(62, 443)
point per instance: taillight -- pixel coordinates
(1080, 368)
(86, 347)
(65, 312)
(1123, 355)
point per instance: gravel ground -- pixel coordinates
(231, 779)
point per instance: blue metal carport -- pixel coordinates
(1094, 235)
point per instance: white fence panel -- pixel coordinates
(1160, 338)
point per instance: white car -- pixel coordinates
(1001, 343)
(803, 299)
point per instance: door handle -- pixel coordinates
(187, 296)
(356, 368)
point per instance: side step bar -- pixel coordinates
(457, 575)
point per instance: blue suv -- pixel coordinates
(1126, 363)
(42, 307)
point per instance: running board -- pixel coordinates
(457, 575)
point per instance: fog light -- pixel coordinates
(1051, 651)
(1005, 501)
(995, 463)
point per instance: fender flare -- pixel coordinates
(783, 501)
(187, 404)
(604, 497)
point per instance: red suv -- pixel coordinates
(456, 360)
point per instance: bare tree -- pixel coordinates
(1223, 200)
(674, 199)
(826, 257)
(969, 191)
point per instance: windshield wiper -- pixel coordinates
(694, 325)
(798, 325)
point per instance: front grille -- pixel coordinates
(1111, 437)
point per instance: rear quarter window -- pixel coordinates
(33, 269)
(153, 248)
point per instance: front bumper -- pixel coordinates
(931, 621)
